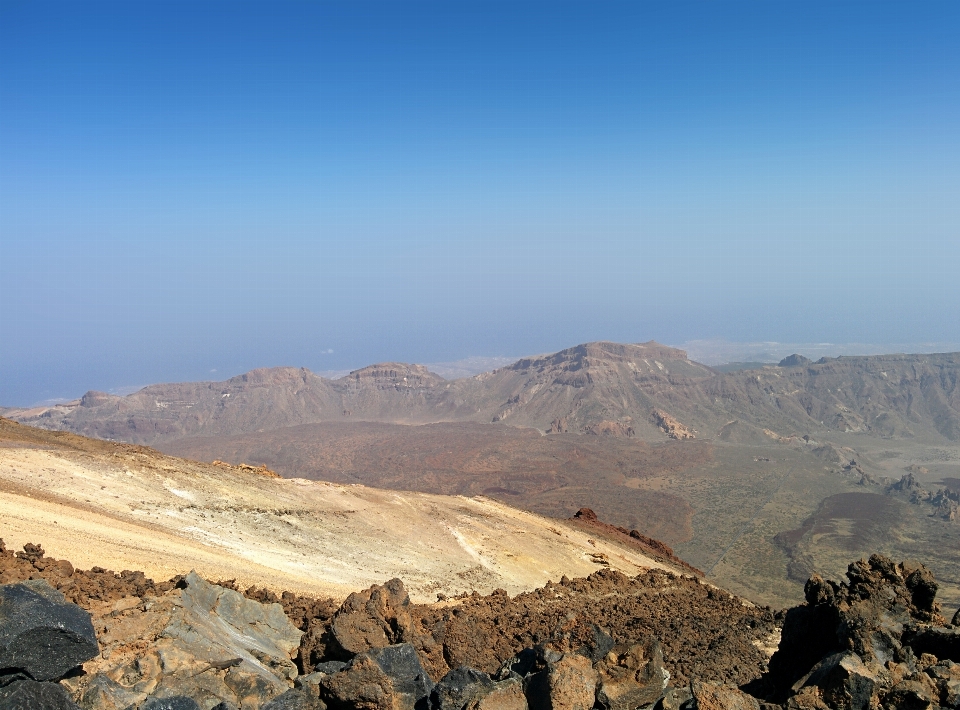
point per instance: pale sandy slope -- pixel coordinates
(166, 516)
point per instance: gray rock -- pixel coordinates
(411, 683)
(31, 695)
(939, 641)
(41, 633)
(204, 641)
(225, 705)
(174, 702)
(633, 678)
(295, 699)
(103, 693)
(330, 667)
(459, 688)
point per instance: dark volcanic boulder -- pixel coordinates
(41, 633)
(31, 695)
(174, 702)
(460, 688)
(867, 615)
(411, 684)
(389, 677)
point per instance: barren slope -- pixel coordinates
(133, 508)
(647, 391)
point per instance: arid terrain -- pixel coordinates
(756, 476)
(129, 507)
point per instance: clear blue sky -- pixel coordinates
(195, 187)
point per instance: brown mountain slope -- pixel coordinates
(648, 391)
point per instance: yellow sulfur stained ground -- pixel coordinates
(166, 516)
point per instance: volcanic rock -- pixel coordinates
(461, 688)
(373, 618)
(295, 699)
(362, 685)
(632, 678)
(173, 702)
(32, 695)
(710, 696)
(41, 633)
(203, 641)
(567, 682)
(411, 684)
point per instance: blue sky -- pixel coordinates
(192, 189)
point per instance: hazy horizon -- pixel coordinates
(192, 190)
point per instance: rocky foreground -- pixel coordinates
(95, 639)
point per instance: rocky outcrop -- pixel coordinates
(201, 640)
(374, 618)
(944, 503)
(671, 426)
(876, 640)
(587, 518)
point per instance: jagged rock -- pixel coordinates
(944, 643)
(173, 702)
(674, 698)
(844, 681)
(461, 688)
(33, 695)
(411, 684)
(795, 360)
(41, 633)
(389, 677)
(807, 699)
(631, 679)
(710, 696)
(373, 618)
(202, 641)
(868, 616)
(567, 683)
(911, 695)
(361, 685)
(295, 699)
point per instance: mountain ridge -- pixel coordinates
(600, 387)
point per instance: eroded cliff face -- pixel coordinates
(611, 388)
